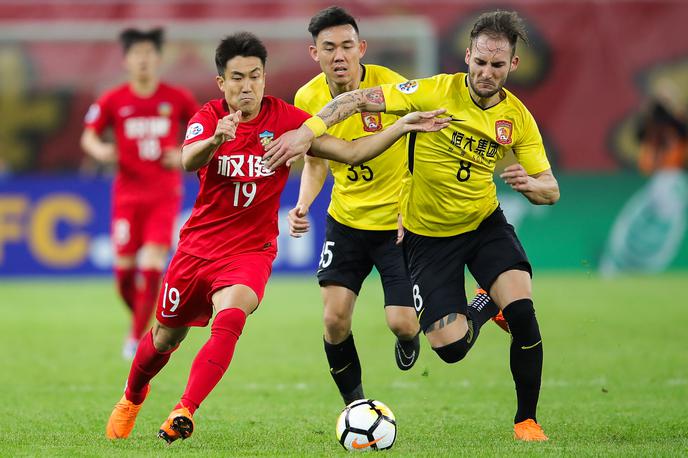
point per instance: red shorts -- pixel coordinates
(190, 282)
(136, 223)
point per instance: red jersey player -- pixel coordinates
(227, 246)
(146, 116)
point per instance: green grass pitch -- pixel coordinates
(615, 378)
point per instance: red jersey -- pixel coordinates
(144, 128)
(238, 200)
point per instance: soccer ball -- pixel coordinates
(366, 425)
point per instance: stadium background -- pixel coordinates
(590, 66)
(616, 372)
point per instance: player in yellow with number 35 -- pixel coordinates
(361, 227)
(450, 210)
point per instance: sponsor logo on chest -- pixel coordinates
(242, 166)
(146, 127)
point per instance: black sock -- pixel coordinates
(526, 356)
(409, 346)
(481, 309)
(345, 368)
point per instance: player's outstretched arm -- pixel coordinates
(96, 148)
(198, 154)
(344, 105)
(366, 148)
(294, 144)
(540, 189)
(312, 180)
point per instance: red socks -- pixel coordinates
(213, 358)
(126, 285)
(147, 363)
(146, 299)
(208, 367)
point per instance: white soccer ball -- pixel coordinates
(365, 425)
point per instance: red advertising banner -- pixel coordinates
(585, 76)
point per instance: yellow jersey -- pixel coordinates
(365, 196)
(451, 189)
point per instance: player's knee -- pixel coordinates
(337, 325)
(523, 325)
(153, 256)
(167, 339)
(453, 352)
(404, 327)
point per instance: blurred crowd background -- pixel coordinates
(606, 80)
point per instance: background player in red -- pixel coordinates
(227, 246)
(146, 116)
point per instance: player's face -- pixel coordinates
(142, 61)
(243, 84)
(489, 63)
(339, 51)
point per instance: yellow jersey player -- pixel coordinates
(362, 216)
(450, 210)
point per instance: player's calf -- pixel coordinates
(345, 368)
(525, 357)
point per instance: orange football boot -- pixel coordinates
(123, 418)
(501, 321)
(179, 425)
(528, 430)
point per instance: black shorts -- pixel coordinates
(349, 254)
(436, 265)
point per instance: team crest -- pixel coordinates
(409, 87)
(165, 109)
(503, 129)
(266, 137)
(372, 122)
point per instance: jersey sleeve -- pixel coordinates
(201, 126)
(297, 115)
(99, 114)
(529, 149)
(411, 95)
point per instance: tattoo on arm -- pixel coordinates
(344, 105)
(340, 108)
(374, 95)
(442, 322)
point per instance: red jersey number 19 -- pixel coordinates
(244, 193)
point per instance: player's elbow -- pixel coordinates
(86, 141)
(554, 198)
(188, 164)
(356, 160)
(549, 198)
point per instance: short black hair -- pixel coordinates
(130, 37)
(501, 24)
(330, 17)
(243, 44)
